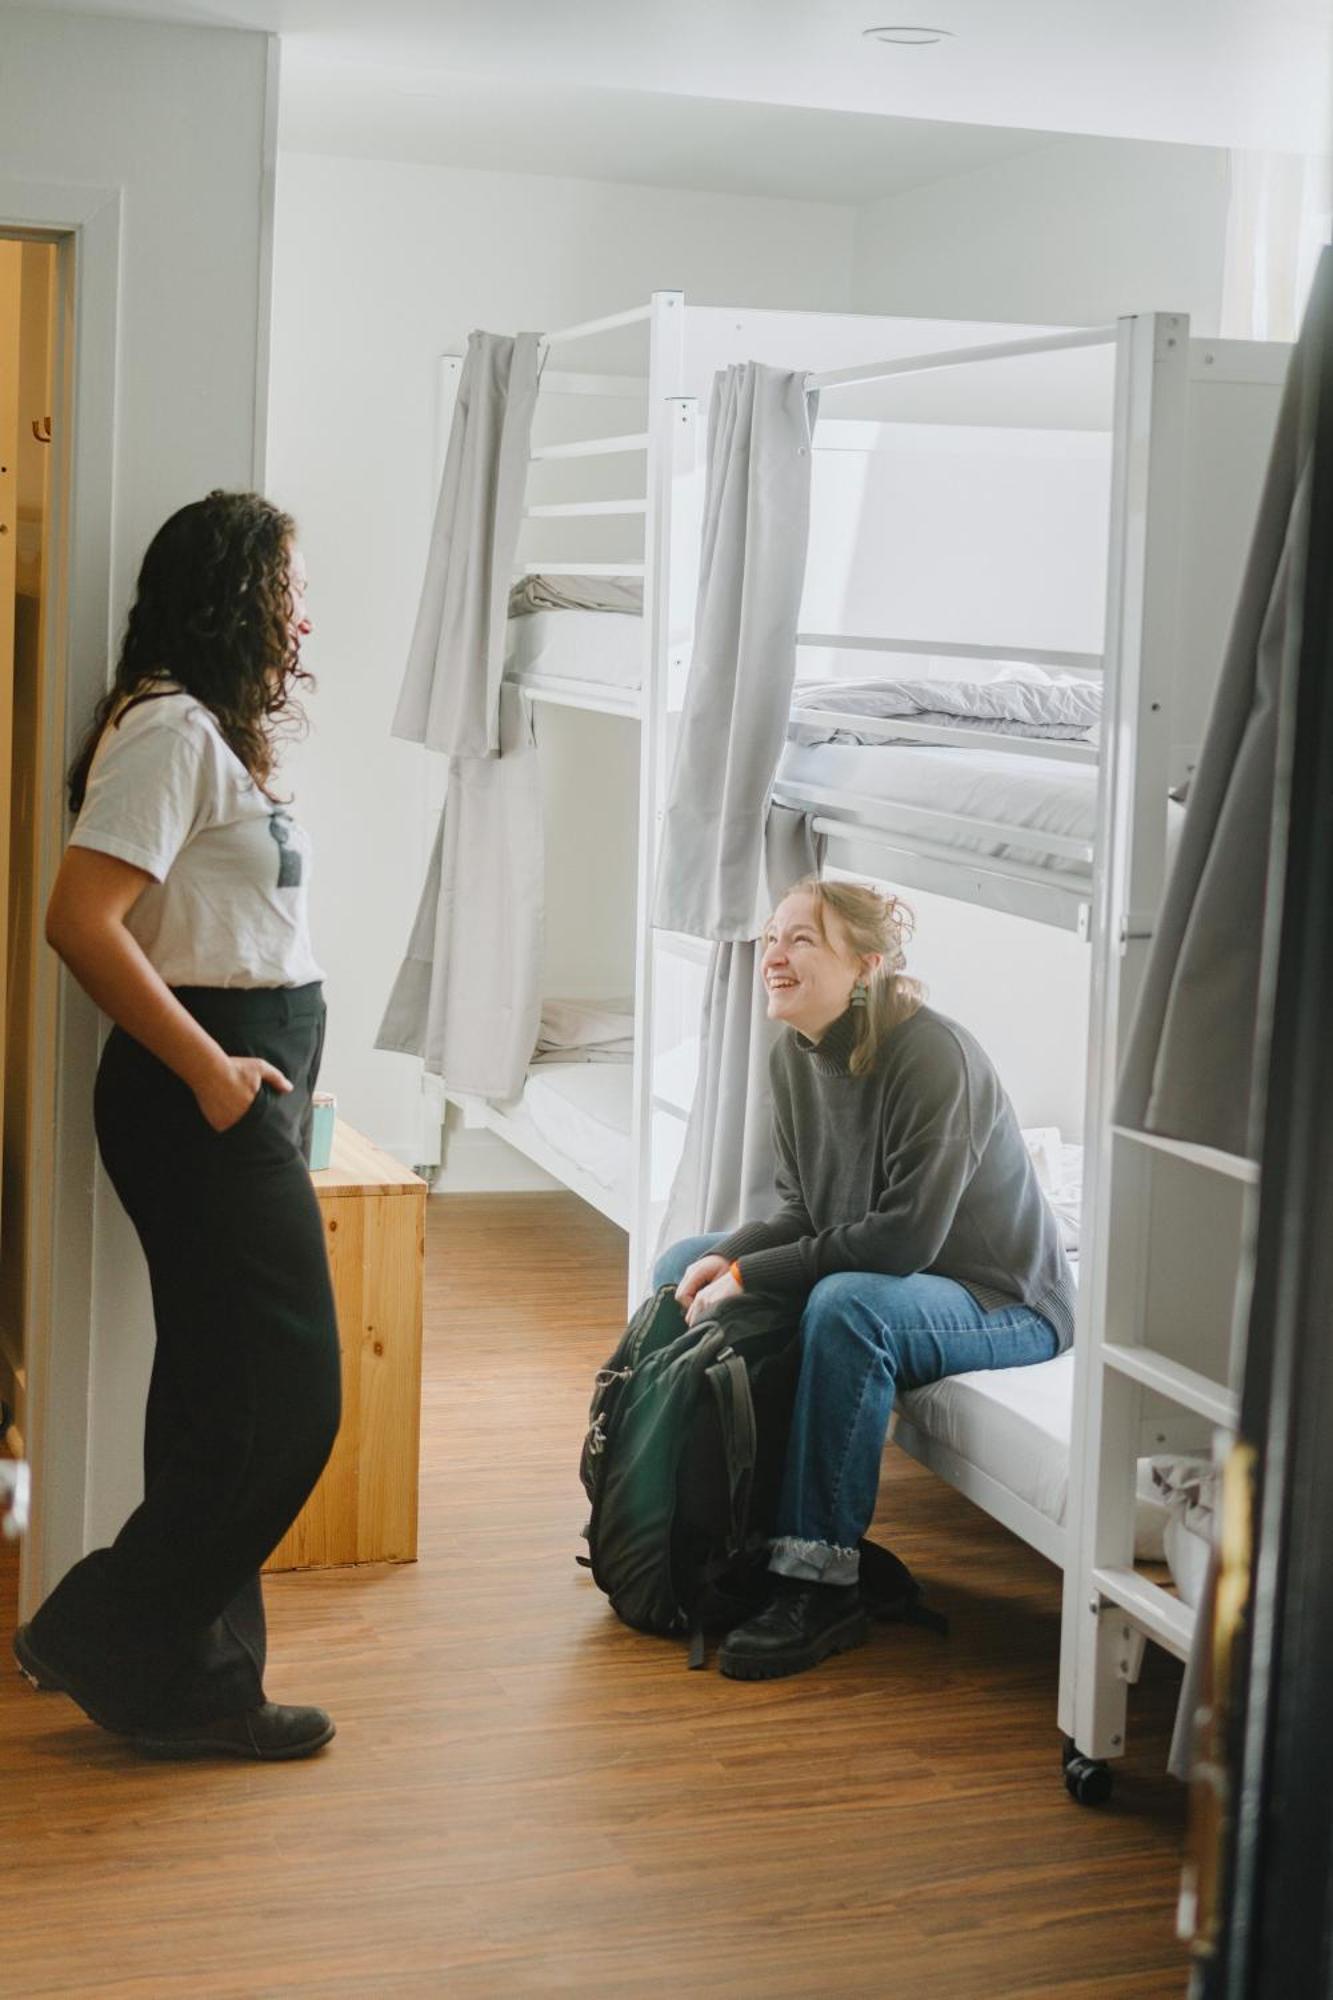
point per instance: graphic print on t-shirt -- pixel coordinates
(289, 867)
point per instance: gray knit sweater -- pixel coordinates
(917, 1166)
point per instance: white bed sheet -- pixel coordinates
(605, 647)
(1043, 793)
(1014, 1425)
(585, 1111)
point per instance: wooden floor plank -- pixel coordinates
(525, 1797)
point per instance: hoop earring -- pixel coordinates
(860, 993)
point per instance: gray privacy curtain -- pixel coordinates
(1190, 1065)
(726, 1172)
(726, 853)
(468, 997)
(752, 565)
(450, 694)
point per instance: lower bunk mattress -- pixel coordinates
(1013, 1426)
(584, 1112)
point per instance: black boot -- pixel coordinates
(270, 1734)
(800, 1625)
(53, 1674)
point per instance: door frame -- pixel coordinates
(85, 223)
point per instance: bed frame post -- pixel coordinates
(1142, 644)
(671, 452)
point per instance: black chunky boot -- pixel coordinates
(270, 1734)
(800, 1625)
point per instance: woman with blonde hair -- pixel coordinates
(912, 1232)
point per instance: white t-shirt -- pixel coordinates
(231, 870)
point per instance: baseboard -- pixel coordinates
(480, 1162)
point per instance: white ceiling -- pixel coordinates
(754, 94)
(646, 136)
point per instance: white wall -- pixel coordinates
(1078, 232)
(176, 120)
(174, 117)
(381, 267)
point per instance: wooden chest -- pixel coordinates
(364, 1508)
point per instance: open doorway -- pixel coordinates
(29, 338)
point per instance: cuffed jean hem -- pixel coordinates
(814, 1562)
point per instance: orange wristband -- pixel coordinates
(734, 1271)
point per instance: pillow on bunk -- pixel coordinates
(1043, 1144)
(587, 1031)
(1067, 1198)
(1063, 709)
(1059, 1165)
(576, 593)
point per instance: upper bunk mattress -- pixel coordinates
(1045, 794)
(605, 647)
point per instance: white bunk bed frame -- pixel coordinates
(668, 501)
(872, 837)
(1131, 1397)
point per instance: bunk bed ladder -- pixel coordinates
(1109, 1607)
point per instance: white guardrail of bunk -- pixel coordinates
(1037, 656)
(850, 812)
(964, 357)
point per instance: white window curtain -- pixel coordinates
(1280, 216)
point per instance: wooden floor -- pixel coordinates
(525, 1797)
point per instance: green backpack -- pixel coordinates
(683, 1462)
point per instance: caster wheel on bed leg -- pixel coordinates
(1087, 1779)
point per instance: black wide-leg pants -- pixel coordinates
(168, 1623)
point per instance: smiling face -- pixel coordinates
(808, 967)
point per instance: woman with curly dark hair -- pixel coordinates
(180, 907)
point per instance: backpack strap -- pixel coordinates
(729, 1379)
(892, 1594)
(919, 1613)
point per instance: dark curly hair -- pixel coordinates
(212, 614)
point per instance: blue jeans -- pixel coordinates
(864, 1336)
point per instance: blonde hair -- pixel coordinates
(871, 924)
